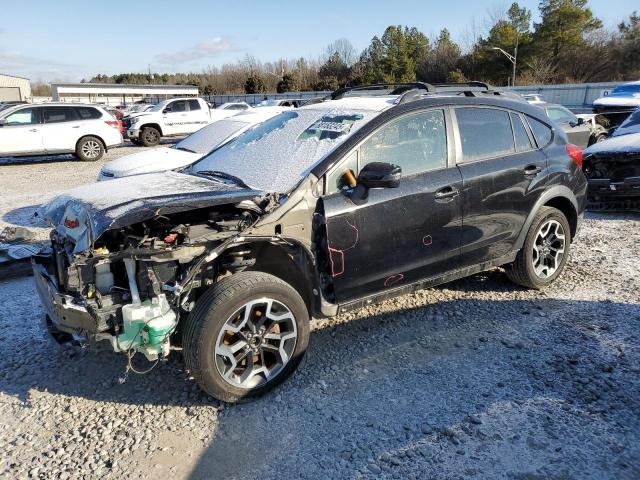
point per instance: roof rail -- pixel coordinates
(468, 89)
(401, 87)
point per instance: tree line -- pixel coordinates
(568, 45)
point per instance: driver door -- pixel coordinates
(175, 117)
(22, 132)
(397, 235)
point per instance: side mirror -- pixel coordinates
(3, 122)
(580, 121)
(380, 175)
(166, 110)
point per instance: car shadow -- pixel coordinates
(408, 377)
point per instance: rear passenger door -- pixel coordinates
(398, 235)
(503, 175)
(61, 129)
(198, 116)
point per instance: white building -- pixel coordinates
(116, 94)
(14, 88)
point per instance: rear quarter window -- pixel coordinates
(484, 133)
(88, 113)
(541, 132)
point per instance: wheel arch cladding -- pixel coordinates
(565, 206)
(287, 264)
(559, 197)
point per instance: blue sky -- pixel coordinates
(67, 40)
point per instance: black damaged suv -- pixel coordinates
(374, 192)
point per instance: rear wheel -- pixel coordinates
(545, 251)
(247, 334)
(150, 136)
(89, 149)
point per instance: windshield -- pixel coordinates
(209, 137)
(630, 125)
(627, 89)
(277, 154)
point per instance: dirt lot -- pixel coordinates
(477, 379)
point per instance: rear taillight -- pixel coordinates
(113, 123)
(575, 153)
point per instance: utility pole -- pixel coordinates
(512, 58)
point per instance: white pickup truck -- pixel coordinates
(177, 116)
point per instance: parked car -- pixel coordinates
(174, 117)
(623, 97)
(9, 104)
(613, 169)
(187, 151)
(578, 131)
(58, 128)
(138, 108)
(315, 212)
(534, 98)
(242, 106)
(282, 102)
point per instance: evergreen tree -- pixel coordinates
(254, 84)
(289, 83)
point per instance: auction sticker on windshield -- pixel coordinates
(330, 127)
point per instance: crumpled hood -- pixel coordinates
(150, 161)
(86, 212)
(619, 99)
(616, 145)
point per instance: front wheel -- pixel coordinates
(246, 335)
(150, 136)
(545, 251)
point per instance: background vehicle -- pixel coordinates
(242, 106)
(534, 98)
(285, 102)
(187, 151)
(580, 133)
(316, 211)
(617, 106)
(138, 108)
(178, 116)
(613, 169)
(56, 128)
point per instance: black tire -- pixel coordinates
(600, 137)
(522, 270)
(89, 149)
(215, 307)
(150, 136)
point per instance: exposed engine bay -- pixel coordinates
(136, 281)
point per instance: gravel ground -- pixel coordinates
(477, 379)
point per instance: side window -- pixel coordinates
(59, 114)
(344, 175)
(24, 116)
(520, 134)
(88, 113)
(484, 133)
(180, 106)
(561, 115)
(417, 143)
(194, 105)
(541, 132)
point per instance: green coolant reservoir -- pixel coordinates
(146, 327)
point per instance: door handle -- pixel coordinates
(33, 130)
(445, 193)
(532, 170)
(77, 126)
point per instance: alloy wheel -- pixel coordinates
(548, 248)
(91, 149)
(256, 343)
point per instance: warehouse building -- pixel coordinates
(116, 94)
(14, 88)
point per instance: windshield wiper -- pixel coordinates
(185, 149)
(224, 176)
